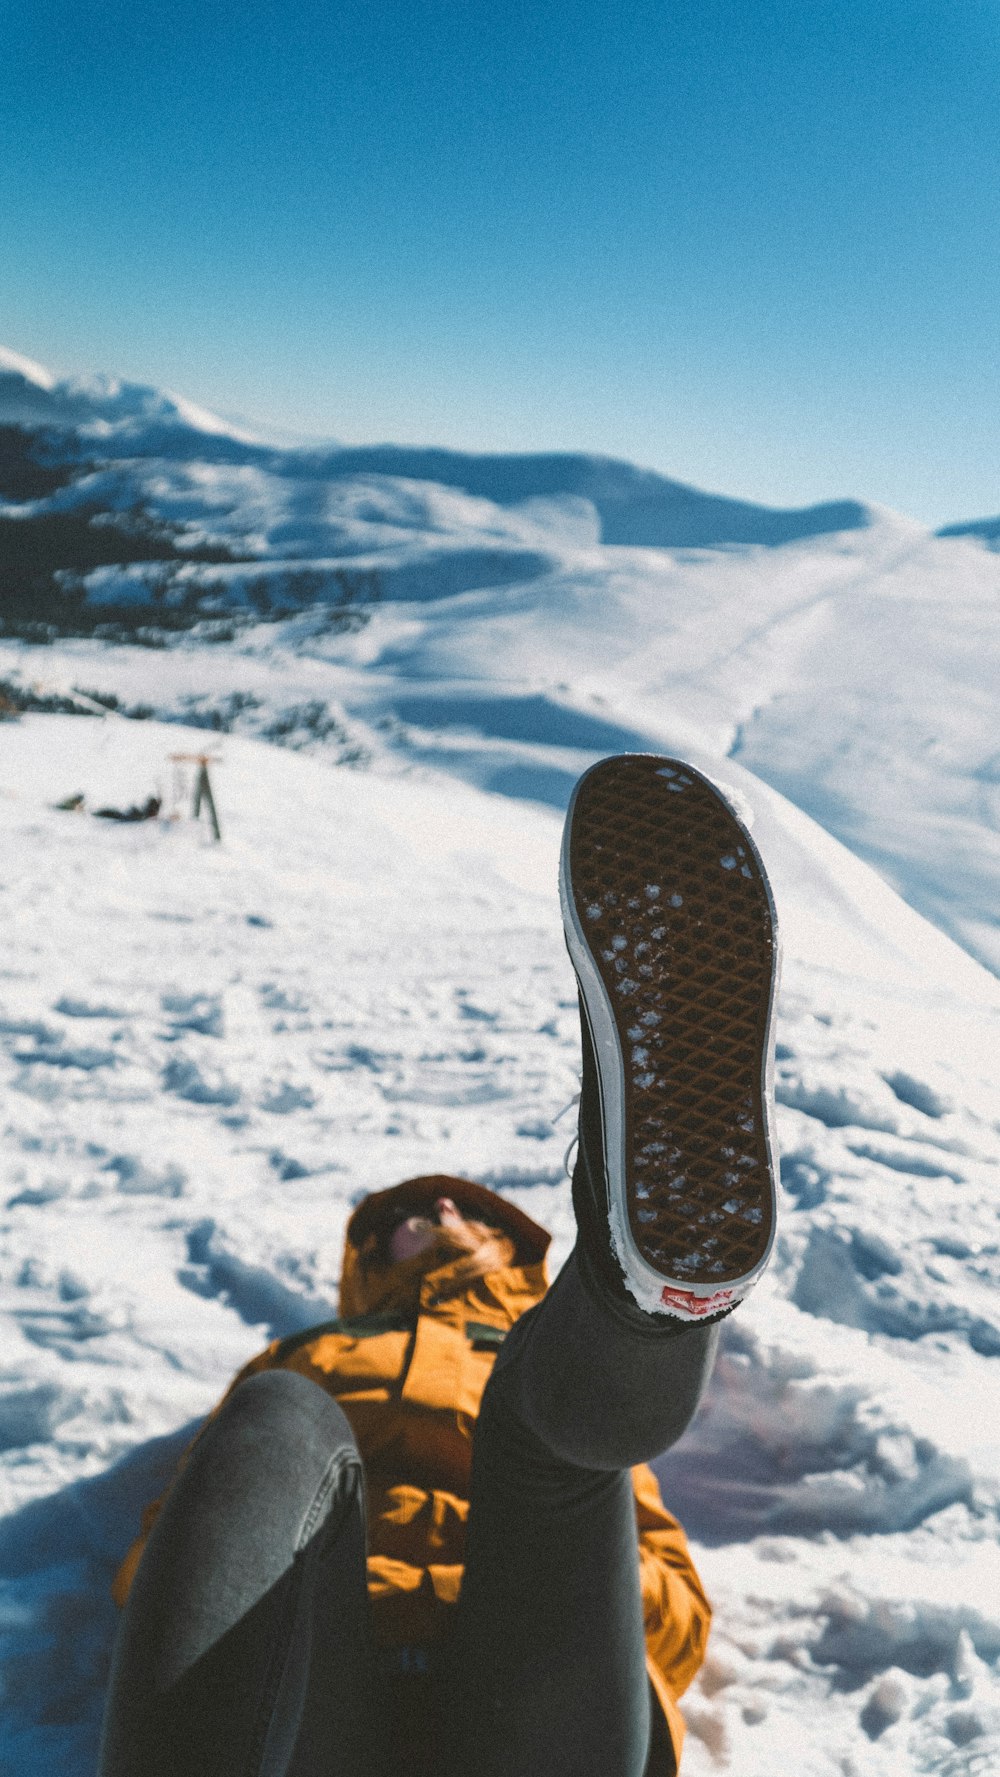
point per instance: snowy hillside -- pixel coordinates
(207, 1052)
(482, 622)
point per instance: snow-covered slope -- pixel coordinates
(857, 674)
(207, 1052)
(210, 1051)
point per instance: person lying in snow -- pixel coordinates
(422, 1538)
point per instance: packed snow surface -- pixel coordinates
(208, 1052)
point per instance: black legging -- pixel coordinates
(246, 1649)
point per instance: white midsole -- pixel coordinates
(650, 1289)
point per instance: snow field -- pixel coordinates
(209, 1053)
(843, 1470)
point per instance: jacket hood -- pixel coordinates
(363, 1290)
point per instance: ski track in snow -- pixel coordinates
(208, 1053)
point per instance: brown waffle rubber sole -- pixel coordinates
(671, 930)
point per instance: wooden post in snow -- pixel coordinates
(202, 785)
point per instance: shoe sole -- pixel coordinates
(671, 930)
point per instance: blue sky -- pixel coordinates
(756, 246)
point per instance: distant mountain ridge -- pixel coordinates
(986, 528)
(637, 507)
(102, 409)
(107, 421)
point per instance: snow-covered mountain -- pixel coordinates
(111, 420)
(104, 411)
(208, 1051)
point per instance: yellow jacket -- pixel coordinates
(410, 1379)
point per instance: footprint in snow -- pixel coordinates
(837, 1107)
(185, 1078)
(54, 1055)
(200, 1012)
(918, 1095)
(74, 1008)
(135, 1179)
(279, 1100)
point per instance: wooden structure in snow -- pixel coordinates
(202, 786)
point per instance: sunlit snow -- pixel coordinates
(208, 1052)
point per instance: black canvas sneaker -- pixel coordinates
(670, 927)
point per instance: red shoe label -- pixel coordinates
(686, 1302)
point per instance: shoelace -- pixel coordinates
(574, 1144)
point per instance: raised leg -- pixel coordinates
(549, 1653)
(245, 1647)
(670, 928)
